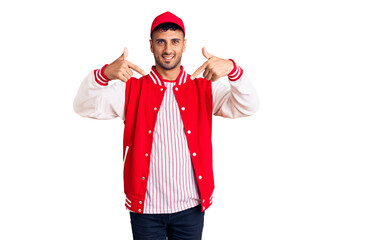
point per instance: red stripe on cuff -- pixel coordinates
(236, 73)
(234, 69)
(100, 77)
(102, 73)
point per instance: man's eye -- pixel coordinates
(175, 41)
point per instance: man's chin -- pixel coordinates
(169, 66)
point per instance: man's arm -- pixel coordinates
(96, 99)
(99, 100)
(237, 100)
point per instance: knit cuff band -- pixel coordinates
(236, 73)
(100, 78)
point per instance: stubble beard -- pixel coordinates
(167, 66)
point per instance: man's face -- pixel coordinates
(168, 48)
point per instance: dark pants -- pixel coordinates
(184, 225)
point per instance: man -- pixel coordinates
(167, 114)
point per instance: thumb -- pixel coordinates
(206, 54)
(125, 53)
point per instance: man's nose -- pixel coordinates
(168, 48)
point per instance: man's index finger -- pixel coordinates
(199, 71)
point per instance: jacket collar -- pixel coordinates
(158, 80)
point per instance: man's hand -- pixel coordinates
(214, 67)
(121, 68)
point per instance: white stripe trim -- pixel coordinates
(181, 79)
(100, 75)
(98, 78)
(238, 74)
(235, 73)
(156, 76)
(151, 75)
(184, 77)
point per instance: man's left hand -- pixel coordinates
(214, 68)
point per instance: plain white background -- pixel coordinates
(302, 167)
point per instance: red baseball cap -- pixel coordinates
(167, 17)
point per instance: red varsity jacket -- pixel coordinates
(142, 101)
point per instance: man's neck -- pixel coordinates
(169, 74)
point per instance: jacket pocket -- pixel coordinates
(125, 154)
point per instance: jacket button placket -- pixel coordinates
(140, 207)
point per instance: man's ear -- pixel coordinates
(185, 41)
(151, 45)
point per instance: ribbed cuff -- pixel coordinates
(100, 77)
(236, 73)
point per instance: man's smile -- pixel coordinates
(168, 57)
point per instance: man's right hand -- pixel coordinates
(121, 68)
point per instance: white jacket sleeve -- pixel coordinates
(239, 99)
(99, 100)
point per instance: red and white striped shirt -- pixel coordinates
(172, 185)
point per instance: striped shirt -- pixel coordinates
(172, 185)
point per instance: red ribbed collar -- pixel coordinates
(158, 80)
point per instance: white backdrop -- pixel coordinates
(302, 167)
